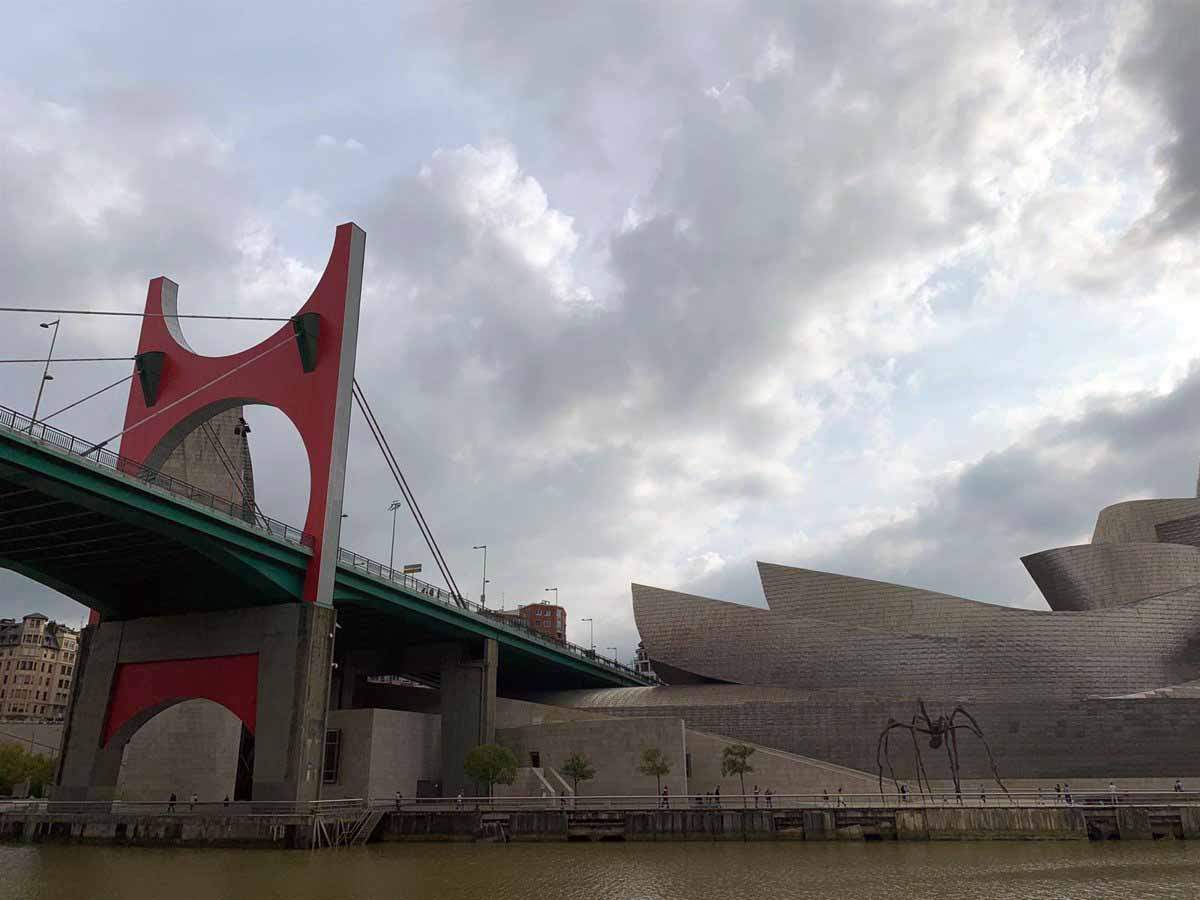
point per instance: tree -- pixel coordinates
(17, 764)
(578, 768)
(654, 763)
(735, 760)
(491, 764)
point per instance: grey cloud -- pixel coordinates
(1043, 491)
(1164, 59)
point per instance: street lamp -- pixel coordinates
(483, 589)
(392, 507)
(46, 376)
(555, 595)
(591, 633)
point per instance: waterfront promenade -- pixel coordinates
(1030, 815)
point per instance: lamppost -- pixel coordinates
(392, 507)
(46, 376)
(555, 595)
(591, 633)
(483, 588)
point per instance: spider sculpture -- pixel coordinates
(942, 731)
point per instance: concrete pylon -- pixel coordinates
(268, 665)
(468, 709)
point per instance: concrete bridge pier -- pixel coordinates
(468, 707)
(268, 665)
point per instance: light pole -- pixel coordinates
(555, 595)
(392, 507)
(46, 376)
(591, 633)
(483, 588)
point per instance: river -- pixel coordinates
(693, 871)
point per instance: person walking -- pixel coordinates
(825, 795)
(756, 796)
(1057, 792)
(194, 799)
(982, 796)
(1067, 793)
(1112, 792)
(840, 801)
(666, 797)
(769, 796)
(717, 797)
(1178, 786)
(171, 803)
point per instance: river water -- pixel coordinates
(693, 871)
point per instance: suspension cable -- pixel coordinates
(398, 477)
(45, 419)
(143, 315)
(72, 359)
(231, 468)
(390, 459)
(192, 393)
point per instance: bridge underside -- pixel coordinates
(120, 561)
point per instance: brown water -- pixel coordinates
(694, 871)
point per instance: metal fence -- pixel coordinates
(630, 803)
(102, 458)
(762, 801)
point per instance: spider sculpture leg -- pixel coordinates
(921, 773)
(883, 751)
(974, 728)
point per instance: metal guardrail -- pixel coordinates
(185, 808)
(776, 802)
(349, 809)
(103, 458)
(446, 598)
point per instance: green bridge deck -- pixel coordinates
(129, 542)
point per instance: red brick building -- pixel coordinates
(545, 617)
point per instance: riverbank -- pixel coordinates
(348, 824)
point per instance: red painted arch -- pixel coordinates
(317, 402)
(231, 681)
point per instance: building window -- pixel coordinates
(333, 756)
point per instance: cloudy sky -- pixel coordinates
(653, 290)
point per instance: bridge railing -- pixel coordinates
(826, 800)
(104, 458)
(511, 623)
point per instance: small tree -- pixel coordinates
(735, 760)
(17, 765)
(578, 768)
(491, 764)
(654, 763)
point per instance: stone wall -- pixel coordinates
(384, 752)
(188, 748)
(1149, 737)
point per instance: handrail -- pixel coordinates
(1095, 801)
(446, 598)
(103, 458)
(88, 452)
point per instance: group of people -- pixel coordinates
(712, 799)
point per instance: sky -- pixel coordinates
(902, 289)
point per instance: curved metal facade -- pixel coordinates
(1097, 685)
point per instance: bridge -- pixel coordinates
(194, 598)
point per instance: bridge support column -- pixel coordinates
(268, 665)
(468, 710)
